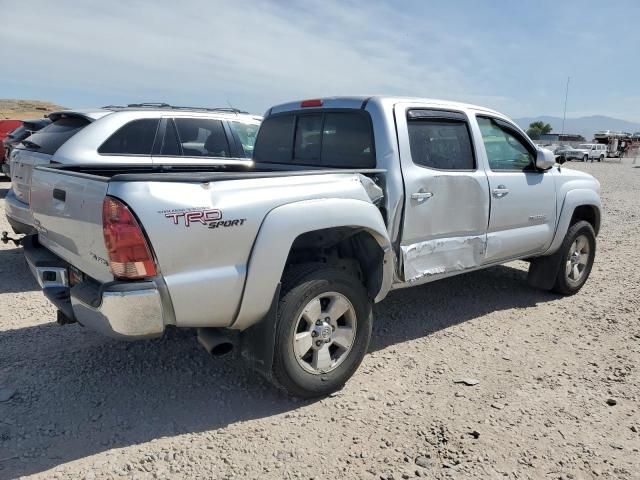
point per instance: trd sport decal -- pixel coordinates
(211, 217)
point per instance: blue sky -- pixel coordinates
(514, 56)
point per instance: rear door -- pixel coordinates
(446, 193)
(523, 199)
(38, 149)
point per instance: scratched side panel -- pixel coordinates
(432, 259)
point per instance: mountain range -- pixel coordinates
(585, 126)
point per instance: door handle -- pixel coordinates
(421, 196)
(500, 192)
(59, 194)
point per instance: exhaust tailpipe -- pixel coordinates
(215, 342)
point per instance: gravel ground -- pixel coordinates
(548, 368)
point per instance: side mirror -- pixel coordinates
(545, 159)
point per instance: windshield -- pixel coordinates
(246, 132)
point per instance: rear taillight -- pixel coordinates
(129, 254)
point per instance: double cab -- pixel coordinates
(345, 200)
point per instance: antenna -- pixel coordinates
(231, 106)
(566, 95)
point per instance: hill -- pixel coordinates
(25, 109)
(585, 126)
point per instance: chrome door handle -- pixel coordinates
(421, 196)
(500, 192)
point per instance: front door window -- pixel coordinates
(505, 151)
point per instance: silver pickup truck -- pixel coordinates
(347, 199)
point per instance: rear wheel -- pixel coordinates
(585, 158)
(601, 158)
(578, 252)
(323, 330)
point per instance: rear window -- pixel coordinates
(328, 139)
(134, 138)
(21, 130)
(275, 140)
(54, 135)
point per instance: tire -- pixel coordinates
(585, 158)
(313, 374)
(601, 158)
(578, 232)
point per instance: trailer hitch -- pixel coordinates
(5, 238)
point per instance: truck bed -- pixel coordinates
(201, 222)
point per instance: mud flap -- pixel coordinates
(257, 343)
(544, 270)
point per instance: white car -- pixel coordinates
(587, 151)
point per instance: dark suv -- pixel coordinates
(16, 136)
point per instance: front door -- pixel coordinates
(523, 199)
(446, 194)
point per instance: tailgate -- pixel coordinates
(67, 208)
(22, 167)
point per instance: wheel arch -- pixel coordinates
(579, 204)
(589, 213)
(292, 229)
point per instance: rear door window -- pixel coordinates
(441, 143)
(134, 138)
(328, 139)
(202, 137)
(54, 135)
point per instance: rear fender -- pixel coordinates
(276, 236)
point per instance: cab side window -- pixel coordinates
(505, 149)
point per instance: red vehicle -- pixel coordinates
(7, 126)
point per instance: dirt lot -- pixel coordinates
(84, 406)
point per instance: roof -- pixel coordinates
(97, 113)
(358, 100)
(163, 107)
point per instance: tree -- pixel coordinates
(538, 128)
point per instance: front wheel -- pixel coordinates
(578, 252)
(323, 330)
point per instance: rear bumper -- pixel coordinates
(18, 214)
(125, 310)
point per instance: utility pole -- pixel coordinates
(566, 95)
